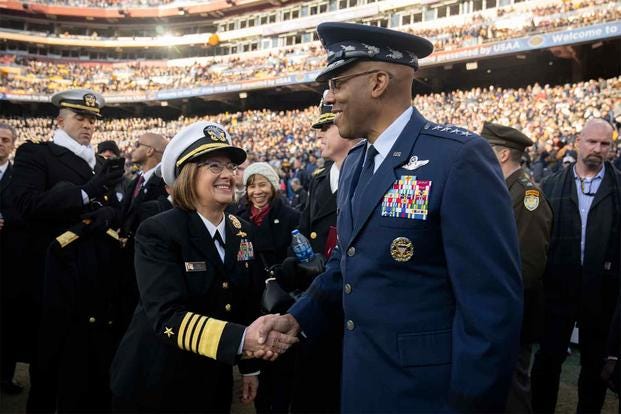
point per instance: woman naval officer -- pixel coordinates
(194, 268)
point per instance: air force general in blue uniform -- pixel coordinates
(427, 266)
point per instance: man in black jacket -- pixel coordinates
(58, 184)
(581, 282)
(318, 366)
(12, 244)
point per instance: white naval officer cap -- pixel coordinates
(192, 143)
(82, 101)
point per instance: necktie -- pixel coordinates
(365, 175)
(220, 245)
(217, 237)
(138, 186)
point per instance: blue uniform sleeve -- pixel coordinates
(482, 255)
(315, 311)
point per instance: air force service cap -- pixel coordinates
(348, 42)
(82, 101)
(505, 136)
(192, 143)
(326, 117)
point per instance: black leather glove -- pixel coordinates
(101, 219)
(293, 275)
(111, 174)
(308, 271)
(285, 273)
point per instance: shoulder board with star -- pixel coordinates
(447, 131)
(318, 171)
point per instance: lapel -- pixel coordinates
(233, 240)
(385, 175)
(72, 161)
(605, 188)
(203, 242)
(325, 200)
(350, 172)
(5, 177)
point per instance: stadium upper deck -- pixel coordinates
(260, 57)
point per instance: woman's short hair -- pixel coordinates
(252, 179)
(184, 189)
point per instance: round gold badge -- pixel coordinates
(235, 221)
(313, 235)
(401, 249)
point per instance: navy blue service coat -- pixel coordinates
(432, 304)
(178, 351)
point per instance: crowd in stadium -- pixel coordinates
(105, 3)
(37, 76)
(554, 115)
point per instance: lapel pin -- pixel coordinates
(415, 163)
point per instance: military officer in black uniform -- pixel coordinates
(533, 216)
(318, 366)
(58, 184)
(194, 268)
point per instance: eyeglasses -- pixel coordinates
(139, 144)
(217, 167)
(335, 83)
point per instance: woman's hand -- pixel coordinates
(249, 387)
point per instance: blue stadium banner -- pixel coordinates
(524, 44)
(537, 41)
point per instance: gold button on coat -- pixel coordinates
(347, 288)
(351, 251)
(92, 320)
(350, 325)
(225, 285)
(228, 307)
(313, 235)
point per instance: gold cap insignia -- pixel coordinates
(90, 100)
(531, 200)
(215, 133)
(401, 249)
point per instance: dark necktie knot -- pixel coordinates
(218, 237)
(369, 159)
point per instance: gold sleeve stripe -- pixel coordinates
(190, 331)
(210, 339)
(197, 333)
(182, 328)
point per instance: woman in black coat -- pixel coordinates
(272, 220)
(194, 268)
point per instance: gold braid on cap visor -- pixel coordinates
(77, 106)
(201, 150)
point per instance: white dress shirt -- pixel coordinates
(387, 139)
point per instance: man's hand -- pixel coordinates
(249, 387)
(267, 338)
(111, 174)
(101, 220)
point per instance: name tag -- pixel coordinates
(195, 266)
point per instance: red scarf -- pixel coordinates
(258, 215)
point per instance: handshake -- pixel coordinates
(269, 336)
